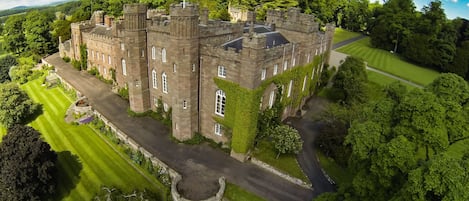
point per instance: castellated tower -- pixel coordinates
(135, 55)
(184, 55)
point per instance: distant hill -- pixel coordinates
(21, 9)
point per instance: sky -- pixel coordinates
(453, 8)
(7, 4)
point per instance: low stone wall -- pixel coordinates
(177, 197)
(281, 174)
(175, 176)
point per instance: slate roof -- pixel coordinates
(101, 30)
(273, 38)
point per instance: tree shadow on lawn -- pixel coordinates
(38, 111)
(68, 175)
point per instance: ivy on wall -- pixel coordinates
(242, 104)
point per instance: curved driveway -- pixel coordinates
(200, 165)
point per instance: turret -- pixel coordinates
(183, 54)
(135, 56)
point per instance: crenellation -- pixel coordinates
(175, 59)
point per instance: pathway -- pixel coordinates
(200, 166)
(309, 130)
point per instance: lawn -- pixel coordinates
(384, 80)
(286, 163)
(388, 62)
(86, 161)
(236, 193)
(343, 35)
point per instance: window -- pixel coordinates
(153, 52)
(104, 71)
(109, 59)
(275, 69)
(221, 71)
(124, 67)
(312, 74)
(193, 67)
(155, 101)
(289, 88)
(184, 104)
(163, 55)
(316, 52)
(304, 84)
(263, 73)
(143, 53)
(164, 83)
(174, 67)
(122, 46)
(293, 61)
(260, 102)
(309, 57)
(165, 107)
(154, 79)
(218, 129)
(103, 58)
(285, 65)
(271, 99)
(220, 100)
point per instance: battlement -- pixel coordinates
(184, 9)
(159, 24)
(135, 8)
(293, 20)
(82, 25)
(98, 37)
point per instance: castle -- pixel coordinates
(213, 77)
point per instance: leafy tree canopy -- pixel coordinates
(27, 164)
(411, 145)
(16, 107)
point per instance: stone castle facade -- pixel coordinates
(179, 62)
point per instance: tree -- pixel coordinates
(16, 107)
(28, 170)
(350, 81)
(411, 145)
(13, 33)
(393, 23)
(6, 63)
(37, 33)
(286, 140)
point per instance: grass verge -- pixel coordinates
(286, 163)
(236, 193)
(338, 174)
(388, 62)
(343, 35)
(86, 162)
(384, 80)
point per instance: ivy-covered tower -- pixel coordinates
(184, 55)
(135, 56)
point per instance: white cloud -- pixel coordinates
(454, 1)
(467, 4)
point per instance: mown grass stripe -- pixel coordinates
(101, 165)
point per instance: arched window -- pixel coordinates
(164, 83)
(154, 79)
(124, 67)
(220, 101)
(163, 55)
(271, 99)
(153, 52)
